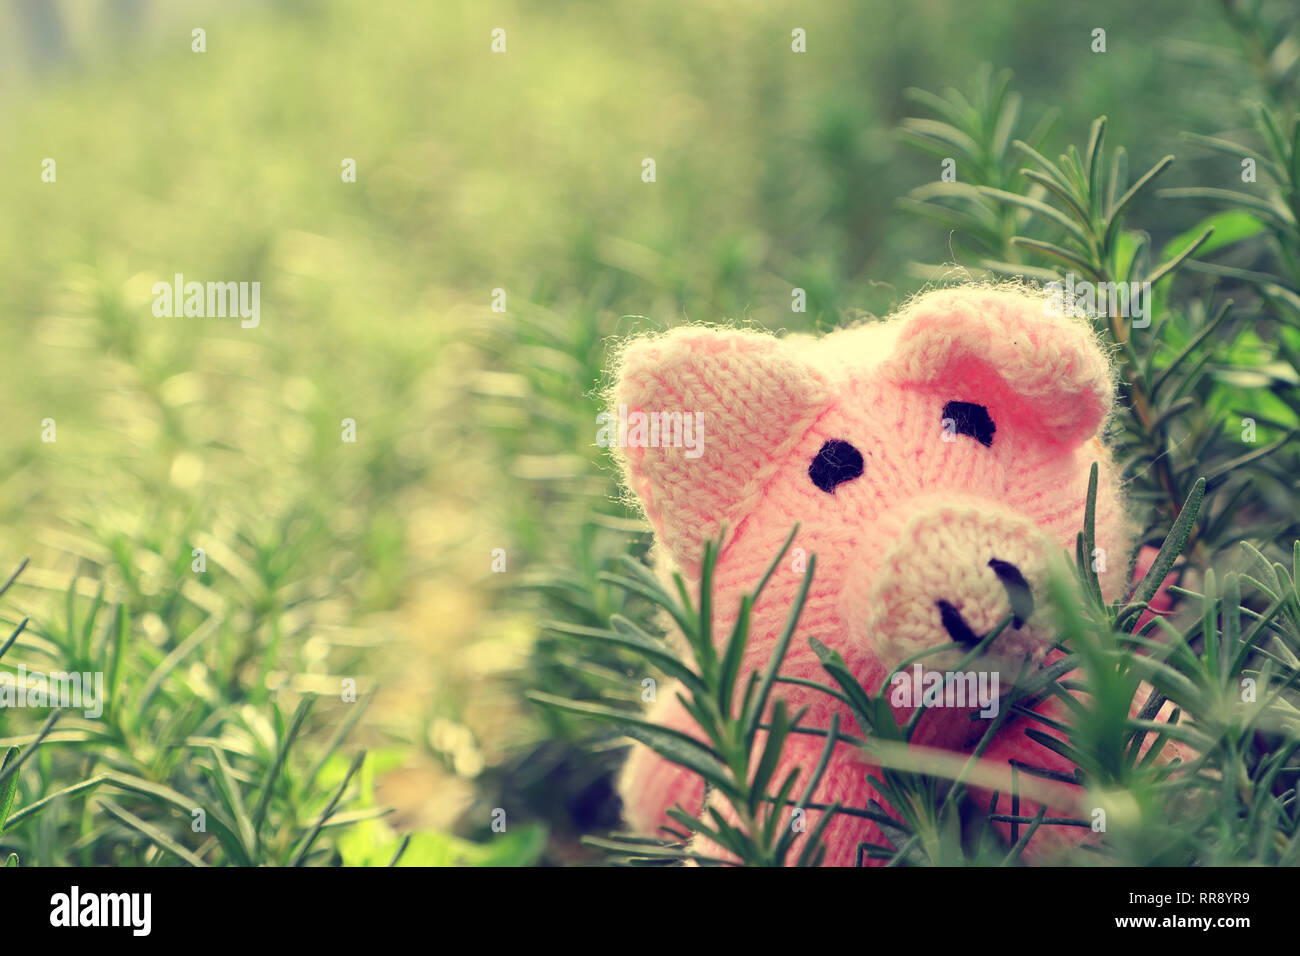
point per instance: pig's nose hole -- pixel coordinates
(1018, 592)
(956, 625)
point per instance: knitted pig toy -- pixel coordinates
(934, 463)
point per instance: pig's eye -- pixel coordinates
(838, 461)
(970, 419)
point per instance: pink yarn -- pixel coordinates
(920, 525)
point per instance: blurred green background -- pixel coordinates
(476, 171)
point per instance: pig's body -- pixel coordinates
(933, 462)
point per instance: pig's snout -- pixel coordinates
(950, 573)
(1019, 594)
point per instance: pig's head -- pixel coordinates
(935, 462)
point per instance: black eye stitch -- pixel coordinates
(972, 420)
(838, 461)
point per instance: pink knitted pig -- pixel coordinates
(933, 462)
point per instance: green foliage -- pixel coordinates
(223, 683)
(177, 775)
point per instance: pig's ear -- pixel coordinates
(1010, 349)
(749, 399)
